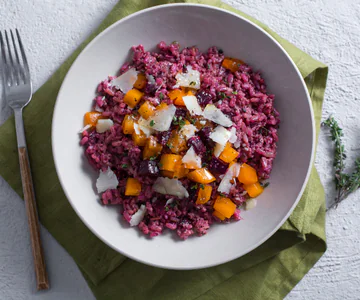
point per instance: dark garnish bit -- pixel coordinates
(192, 121)
(152, 157)
(204, 165)
(192, 83)
(221, 51)
(263, 131)
(202, 186)
(179, 121)
(222, 95)
(170, 146)
(124, 166)
(345, 183)
(194, 187)
(167, 208)
(161, 96)
(152, 123)
(264, 184)
(182, 123)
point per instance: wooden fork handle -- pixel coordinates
(33, 220)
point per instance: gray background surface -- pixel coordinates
(326, 29)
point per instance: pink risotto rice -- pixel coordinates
(240, 95)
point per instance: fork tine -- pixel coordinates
(11, 64)
(4, 60)
(2, 44)
(7, 59)
(19, 68)
(26, 66)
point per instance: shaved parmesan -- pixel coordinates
(104, 125)
(227, 181)
(192, 159)
(169, 201)
(212, 113)
(188, 131)
(169, 186)
(161, 121)
(137, 217)
(192, 105)
(136, 128)
(218, 149)
(145, 127)
(125, 82)
(233, 137)
(220, 135)
(150, 79)
(190, 79)
(107, 180)
(97, 108)
(237, 144)
(85, 128)
(250, 203)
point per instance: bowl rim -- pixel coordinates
(89, 226)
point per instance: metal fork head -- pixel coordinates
(15, 70)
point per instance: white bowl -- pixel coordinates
(203, 26)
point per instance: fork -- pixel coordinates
(18, 91)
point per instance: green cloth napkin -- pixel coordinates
(268, 272)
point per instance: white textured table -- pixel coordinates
(326, 29)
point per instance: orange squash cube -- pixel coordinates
(254, 189)
(133, 97)
(201, 176)
(161, 106)
(139, 139)
(133, 187)
(169, 162)
(168, 174)
(176, 96)
(232, 64)
(218, 215)
(180, 171)
(224, 206)
(228, 154)
(177, 142)
(204, 194)
(146, 110)
(128, 124)
(140, 82)
(91, 118)
(247, 174)
(152, 148)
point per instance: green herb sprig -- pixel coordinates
(345, 183)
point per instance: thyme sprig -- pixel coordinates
(345, 183)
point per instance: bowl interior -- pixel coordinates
(202, 26)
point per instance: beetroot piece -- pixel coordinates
(204, 135)
(148, 168)
(217, 166)
(163, 137)
(204, 97)
(197, 144)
